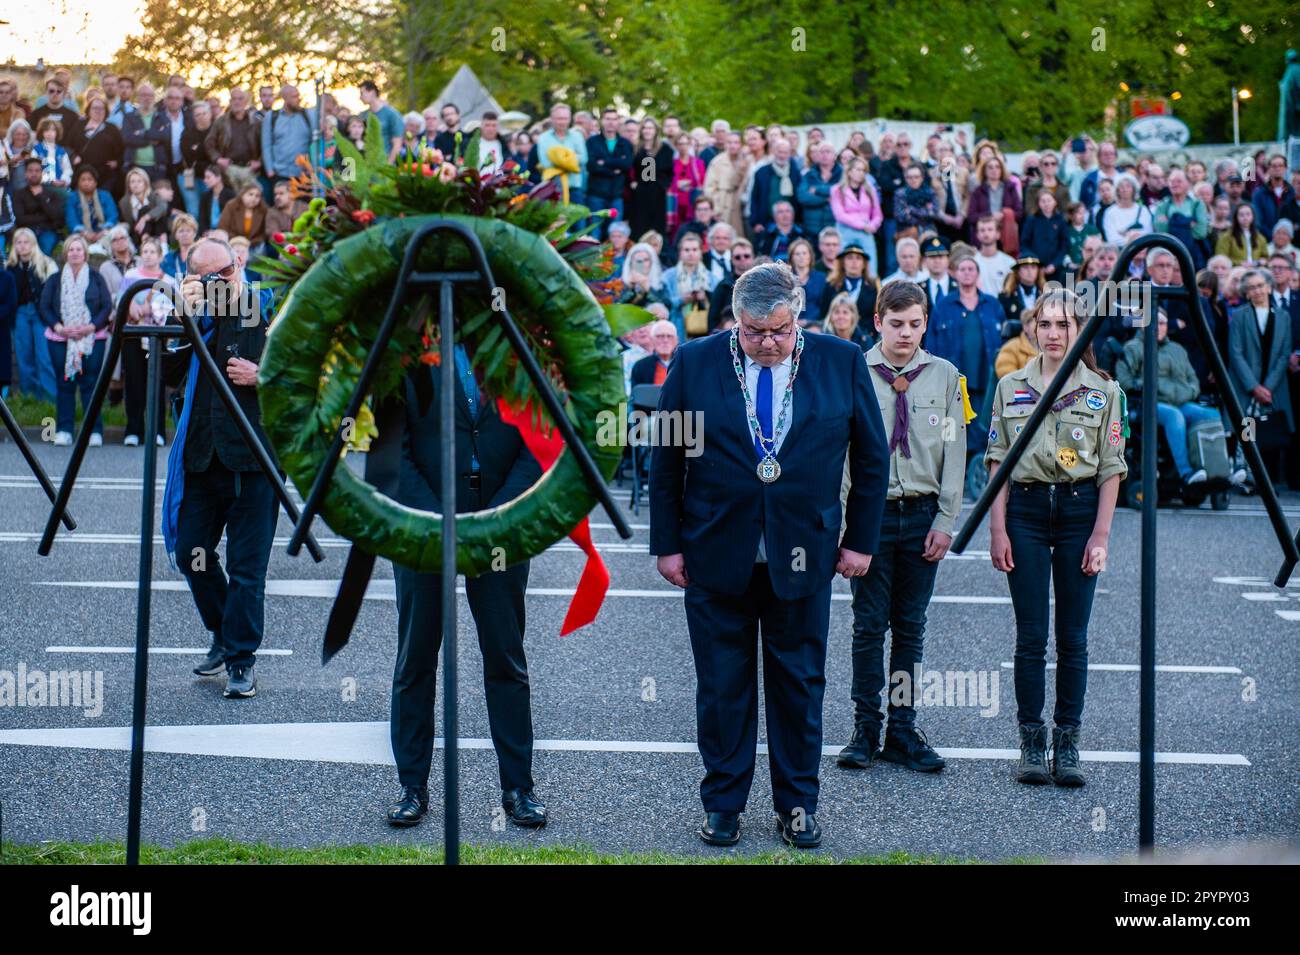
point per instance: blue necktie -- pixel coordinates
(764, 409)
(469, 384)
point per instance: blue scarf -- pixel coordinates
(174, 488)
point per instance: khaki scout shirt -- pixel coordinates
(1082, 441)
(936, 434)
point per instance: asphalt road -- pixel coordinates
(307, 761)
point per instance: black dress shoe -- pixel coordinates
(721, 828)
(523, 808)
(801, 831)
(411, 808)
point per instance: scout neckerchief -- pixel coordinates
(768, 469)
(900, 381)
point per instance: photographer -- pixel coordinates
(214, 483)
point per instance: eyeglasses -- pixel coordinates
(1254, 287)
(227, 273)
(777, 337)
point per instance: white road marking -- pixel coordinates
(385, 589)
(133, 540)
(1288, 614)
(369, 743)
(182, 651)
(1134, 668)
(1264, 595)
(1254, 581)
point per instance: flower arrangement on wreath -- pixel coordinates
(363, 191)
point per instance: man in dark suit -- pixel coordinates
(493, 466)
(1286, 301)
(750, 527)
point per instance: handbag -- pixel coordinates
(1271, 430)
(696, 321)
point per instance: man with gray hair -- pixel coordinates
(750, 528)
(214, 482)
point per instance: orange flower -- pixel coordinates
(431, 358)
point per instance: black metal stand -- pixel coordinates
(156, 335)
(16, 432)
(1188, 293)
(409, 283)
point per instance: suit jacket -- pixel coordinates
(643, 372)
(713, 508)
(506, 467)
(1244, 347)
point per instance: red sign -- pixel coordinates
(1148, 106)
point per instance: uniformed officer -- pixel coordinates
(922, 402)
(1023, 286)
(1050, 526)
(938, 283)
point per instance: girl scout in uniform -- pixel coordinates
(923, 404)
(1051, 526)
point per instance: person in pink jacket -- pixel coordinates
(856, 208)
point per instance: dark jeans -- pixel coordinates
(135, 382)
(724, 633)
(893, 595)
(497, 602)
(1049, 527)
(65, 404)
(243, 504)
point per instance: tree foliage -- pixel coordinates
(1027, 72)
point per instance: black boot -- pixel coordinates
(1033, 756)
(862, 749)
(1065, 757)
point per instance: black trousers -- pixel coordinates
(724, 632)
(243, 504)
(496, 600)
(135, 384)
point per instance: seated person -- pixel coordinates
(653, 369)
(1176, 391)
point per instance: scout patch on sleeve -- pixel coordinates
(1114, 437)
(1096, 399)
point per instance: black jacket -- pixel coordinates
(39, 213)
(506, 467)
(643, 372)
(607, 171)
(212, 431)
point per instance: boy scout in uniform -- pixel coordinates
(1050, 526)
(924, 407)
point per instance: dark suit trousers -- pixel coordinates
(724, 632)
(496, 601)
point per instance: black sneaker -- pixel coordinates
(862, 749)
(1033, 756)
(241, 684)
(1065, 757)
(908, 747)
(215, 661)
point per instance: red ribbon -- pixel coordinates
(546, 447)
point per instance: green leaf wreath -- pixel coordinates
(339, 267)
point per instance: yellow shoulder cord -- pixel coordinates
(967, 410)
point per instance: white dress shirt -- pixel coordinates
(1261, 318)
(780, 378)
